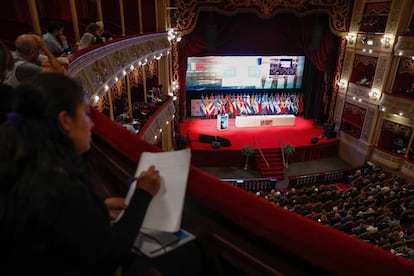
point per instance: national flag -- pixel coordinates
(277, 104)
(234, 104)
(271, 105)
(202, 107)
(212, 106)
(247, 104)
(253, 104)
(265, 105)
(259, 104)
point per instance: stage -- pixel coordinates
(266, 137)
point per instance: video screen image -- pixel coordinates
(245, 72)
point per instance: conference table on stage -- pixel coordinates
(265, 120)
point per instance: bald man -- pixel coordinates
(27, 62)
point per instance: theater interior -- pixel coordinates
(357, 73)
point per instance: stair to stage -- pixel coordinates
(275, 161)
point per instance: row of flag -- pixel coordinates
(251, 104)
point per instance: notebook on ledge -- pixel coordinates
(153, 243)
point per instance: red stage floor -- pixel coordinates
(266, 136)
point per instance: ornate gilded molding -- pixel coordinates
(340, 11)
(347, 66)
(337, 77)
(357, 93)
(387, 159)
(396, 105)
(355, 143)
(369, 124)
(404, 46)
(380, 73)
(393, 17)
(152, 132)
(98, 69)
(365, 60)
(356, 16)
(339, 109)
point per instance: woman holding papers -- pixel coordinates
(51, 221)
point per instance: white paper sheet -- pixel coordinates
(165, 210)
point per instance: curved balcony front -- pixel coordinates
(100, 67)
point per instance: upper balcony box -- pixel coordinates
(375, 17)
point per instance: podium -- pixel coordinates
(223, 122)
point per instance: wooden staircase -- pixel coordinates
(275, 161)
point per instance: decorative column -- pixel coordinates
(111, 105)
(74, 20)
(166, 138)
(161, 15)
(35, 16)
(128, 90)
(99, 9)
(122, 17)
(140, 16)
(144, 82)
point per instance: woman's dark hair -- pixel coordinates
(34, 133)
(55, 25)
(45, 95)
(6, 60)
(6, 91)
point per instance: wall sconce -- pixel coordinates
(350, 37)
(174, 35)
(374, 93)
(95, 99)
(173, 90)
(343, 84)
(387, 40)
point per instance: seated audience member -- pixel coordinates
(26, 59)
(55, 40)
(90, 36)
(53, 223)
(104, 35)
(6, 65)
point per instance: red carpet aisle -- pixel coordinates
(266, 136)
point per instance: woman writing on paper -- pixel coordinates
(51, 221)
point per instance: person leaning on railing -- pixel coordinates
(27, 62)
(53, 222)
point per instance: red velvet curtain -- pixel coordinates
(247, 34)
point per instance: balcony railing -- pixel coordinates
(98, 68)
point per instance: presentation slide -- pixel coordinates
(245, 72)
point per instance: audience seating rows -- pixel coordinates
(330, 177)
(253, 184)
(377, 207)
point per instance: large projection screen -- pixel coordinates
(244, 72)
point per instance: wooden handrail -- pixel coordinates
(261, 153)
